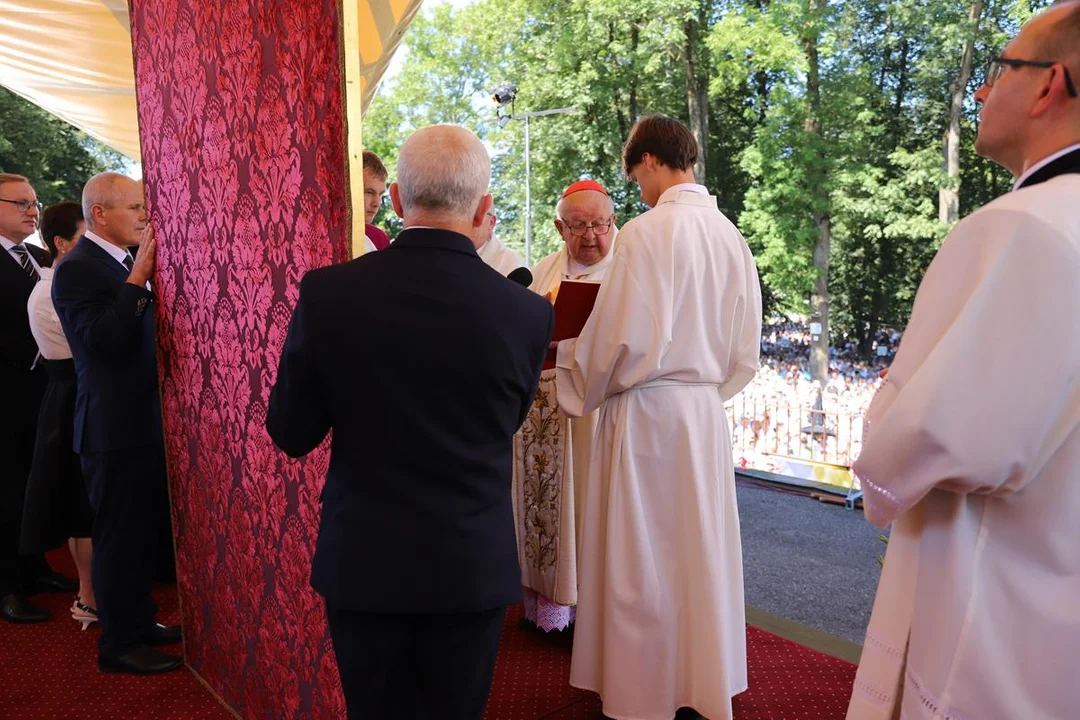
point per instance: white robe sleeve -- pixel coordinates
(622, 343)
(746, 335)
(975, 399)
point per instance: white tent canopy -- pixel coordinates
(74, 59)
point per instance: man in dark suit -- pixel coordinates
(423, 361)
(103, 299)
(22, 385)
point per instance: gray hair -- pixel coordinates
(443, 169)
(563, 202)
(102, 189)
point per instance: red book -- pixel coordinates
(573, 305)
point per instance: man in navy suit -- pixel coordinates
(105, 305)
(22, 384)
(423, 361)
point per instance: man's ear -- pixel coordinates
(480, 216)
(395, 200)
(1055, 89)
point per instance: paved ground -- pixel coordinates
(808, 561)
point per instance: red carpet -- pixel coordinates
(787, 680)
(49, 672)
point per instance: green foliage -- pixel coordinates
(57, 158)
(886, 67)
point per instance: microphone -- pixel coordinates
(521, 276)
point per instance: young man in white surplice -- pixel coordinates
(676, 330)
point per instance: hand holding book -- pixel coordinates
(574, 301)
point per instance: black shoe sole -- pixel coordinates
(26, 620)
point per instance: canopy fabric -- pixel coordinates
(73, 58)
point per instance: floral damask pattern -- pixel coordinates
(240, 114)
(543, 444)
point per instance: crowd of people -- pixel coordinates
(783, 414)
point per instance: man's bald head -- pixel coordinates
(114, 208)
(1059, 33)
(442, 171)
(1030, 107)
(104, 189)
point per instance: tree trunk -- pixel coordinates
(697, 96)
(819, 300)
(761, 79)
(949, 197)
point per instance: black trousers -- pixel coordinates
(22, 391)
(415, 667)
(128, 493)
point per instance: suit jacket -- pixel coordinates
(109, 324)
(424, 362)
(22, 387)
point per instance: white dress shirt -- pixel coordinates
(8, 245)
(44, 323)
(119, 253)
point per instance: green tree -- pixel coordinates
(57, 158)
(821, 124)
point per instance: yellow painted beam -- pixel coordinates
(353, 38)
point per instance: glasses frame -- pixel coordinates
(607, 224)
(24, 206)
(1001, 62)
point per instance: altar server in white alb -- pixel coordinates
(676, 330)
(492, 250)
(551, 451)
(973, 448)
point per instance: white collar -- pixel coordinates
(8, 244)
(1043, 163)
(672, 192)
(118, 253)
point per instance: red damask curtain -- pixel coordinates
(241, 127)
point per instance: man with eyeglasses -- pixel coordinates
(972, 447)
(492, 250)
(585, 218)
(22, 385)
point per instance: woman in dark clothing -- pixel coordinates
(57, 509)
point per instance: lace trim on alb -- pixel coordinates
(872, 693)
(929, 703)
(890, 650)
(867, 484)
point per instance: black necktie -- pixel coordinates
(129, 262)
(23, 256)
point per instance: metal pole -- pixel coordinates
(528, 200)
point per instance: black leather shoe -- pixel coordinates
(53, 581)
(162, 635)
(16, 608)
(142, 660)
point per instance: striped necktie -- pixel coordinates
(23, 256)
